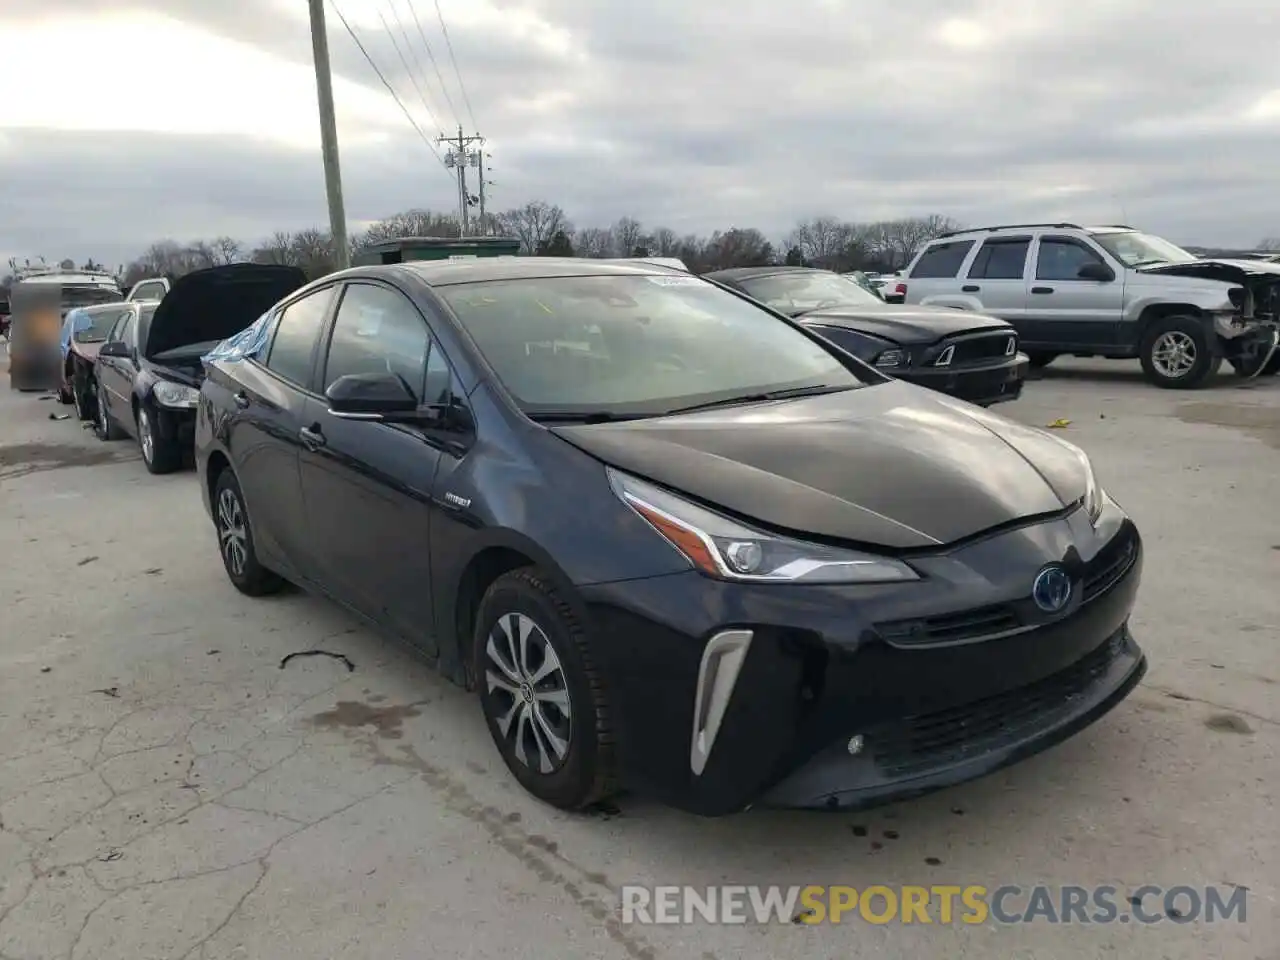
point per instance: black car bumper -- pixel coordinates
(984, 385)
(942, 680)
(177, 425)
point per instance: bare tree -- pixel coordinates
(594, 242)
(628, 235)
(900, 239)
(824, 242)
(1270, 244)
(534, 223)
(736, 247)
(411, 223)
(277, 249)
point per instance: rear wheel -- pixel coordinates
(543, 700)
(235, 540)
(108, 429)
(1177, 353)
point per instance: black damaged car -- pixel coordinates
(147, 375)
(970, 356)
(675, 542)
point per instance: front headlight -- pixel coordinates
(728, 550)
(175, 394)
(1094, 496)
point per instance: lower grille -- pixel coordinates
(972, 624)
(1101, 580)
(933, 740)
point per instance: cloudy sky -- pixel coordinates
(124, 123)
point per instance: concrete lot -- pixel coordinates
(167, 790)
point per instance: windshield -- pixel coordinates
(635, 345)
(1139, 249)
(796, 293)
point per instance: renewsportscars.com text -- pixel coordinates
(942, 904)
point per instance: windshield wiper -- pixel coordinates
(586, 416)
(1146, 263)
(791, 394)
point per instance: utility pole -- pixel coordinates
(456, 159)
(477, 161)
(329, 136)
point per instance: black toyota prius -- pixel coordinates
(675, 542)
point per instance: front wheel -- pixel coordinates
(235, 540)
(160, 455)
(543, 700)
(1178, 354)
(1040, 359)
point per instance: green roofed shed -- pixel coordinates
(405, 249)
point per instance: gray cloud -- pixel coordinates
(715, 114)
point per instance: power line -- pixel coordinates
(449, 43)
(390, 89)
(412, 77)
(444, 87)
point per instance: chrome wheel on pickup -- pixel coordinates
(1178, 352)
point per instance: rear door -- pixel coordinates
(270, 397)
(997, 277)
(367, 485)
(935, 276)
(1063, 311)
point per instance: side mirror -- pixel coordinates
(1096, 271)
(371, 396)
(116, 348)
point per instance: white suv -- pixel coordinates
(1110, 292)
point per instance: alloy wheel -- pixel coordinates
(145, 437)
(233, 538)
(531, 693)
(1173, 354)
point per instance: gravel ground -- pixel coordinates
(168, 790)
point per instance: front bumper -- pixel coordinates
(944, 679)
(984, 384)
(177, 425)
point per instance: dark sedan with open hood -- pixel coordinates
(967, 355)
(147, 375)
(674, 541)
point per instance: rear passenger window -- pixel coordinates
(297, 330)
(942, 260)
(1002, 259)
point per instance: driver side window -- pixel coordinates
(378, 330)
(1061, 259)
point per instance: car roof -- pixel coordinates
(747, 273)
(444, 273)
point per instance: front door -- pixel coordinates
(367, 485)
(1064, 311)
(116, 374)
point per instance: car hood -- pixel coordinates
(905, 324)
(1226, 271)
(214, 304)
(892, 465)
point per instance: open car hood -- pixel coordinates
(211, 305)
(1228, 271)
(905, 324)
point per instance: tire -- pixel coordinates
(514, 698)
(82, 397)
(1040, 359)
(160, 455)
(1177, 353)
(64, 394)
(107, 428)
(235, 540)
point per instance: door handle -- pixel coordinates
(970, 288)
(242, 400)
(311, 438)
(1042, 289)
